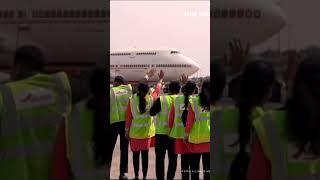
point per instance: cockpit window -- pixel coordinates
(174, 52)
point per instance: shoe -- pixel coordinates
(144, 178)
(123, 177)
(136, 178)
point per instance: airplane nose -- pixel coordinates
(277, 17)
(195, 67)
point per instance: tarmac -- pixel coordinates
(114, 173)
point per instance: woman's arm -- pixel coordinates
(156, 92)
(259, 166)
(61, 168)
(156, 108)
(190, 120)
(128, 116)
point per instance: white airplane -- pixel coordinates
(133, 64)
(252, 21)
(72, 35)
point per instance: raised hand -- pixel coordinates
(184, 79)
(151, 72)
(238, 56)
(294, 60)
(161, 74)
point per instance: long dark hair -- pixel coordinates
(219, 81)
(255, 83)
(188, 90)
(99, 104)
(143, 90)
(205, 95)
(303, 115)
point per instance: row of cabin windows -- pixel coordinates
(128, 54)
(147, 53)
(147, 65)
(55, 13)
(120, 54)
(237, 13)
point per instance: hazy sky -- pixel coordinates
(153, 24)
(304, 27)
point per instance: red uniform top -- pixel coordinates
(195, 148)
(141, 144)
(259, 166)
(181, 147)
(61, 167)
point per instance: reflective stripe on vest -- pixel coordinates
(178, 129)
(279, 169)
(162, 119)
(29, 127)
(224, 135)
(121, 94)
(142, 125)
(200, 132)
(79, 146)
(283, 167)
(10, 127)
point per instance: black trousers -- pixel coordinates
(145, 159)
(190, 165)
(164, 144)
(206, 165)
(119, 129)
(185, 166)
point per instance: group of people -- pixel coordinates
(44, 132)
(177, 123)
(255, 141)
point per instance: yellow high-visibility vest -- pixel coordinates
(31, 111)
(200, 132)
(79, 131)
(274, 137)
(162, 119)
(120, 96)
(142, 126)
(178, 129)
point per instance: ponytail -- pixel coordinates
(143, 90)
(205, 95)
(185, 111)
(244, 126)
(255, 84)
(239, 166)
(142, 103)
(188, 90)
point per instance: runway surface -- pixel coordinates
(152, 167)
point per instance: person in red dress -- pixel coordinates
(97, 103)
(302, 123)
(188, 159)
(256, 82)
(202, 149)
(141, 146)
